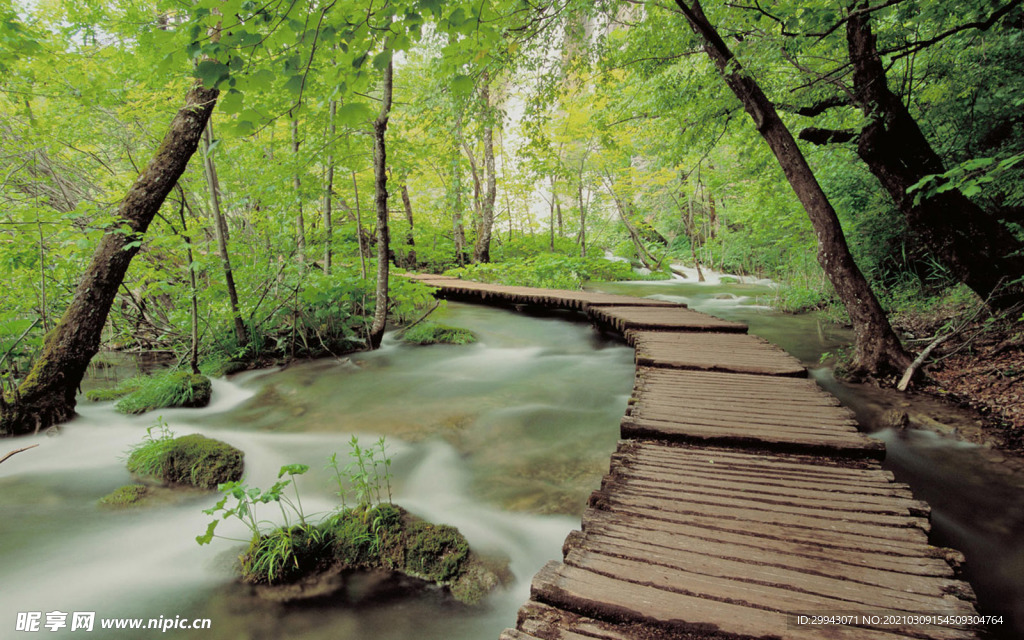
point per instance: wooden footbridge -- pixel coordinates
(742, 502)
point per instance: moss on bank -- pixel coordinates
(382, 537)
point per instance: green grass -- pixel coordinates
(432, 333)
(123, 388)
(168, 389)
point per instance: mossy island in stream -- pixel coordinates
(160, 391)
(432, 333)
(302, 560)
(192, 460)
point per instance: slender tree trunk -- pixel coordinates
(380, 127)
(359, 229)
(300, 224)
(193, 359)
(329, 188)
(583, 220)
(554, 199)
(221, 232)
(878, 350)
(977, 248)
(458, 229)
(47, 395)
(482, 249)
(410, 239)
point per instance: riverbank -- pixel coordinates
(981, 370)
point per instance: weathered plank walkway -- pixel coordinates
(740, 498)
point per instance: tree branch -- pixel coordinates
(819, 136)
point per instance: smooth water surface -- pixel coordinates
(504, 439)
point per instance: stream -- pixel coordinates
(504, 439)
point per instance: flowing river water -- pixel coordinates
(504, 439)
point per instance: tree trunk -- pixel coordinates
(554, 199)
(979, 250)
(583, 220)
(221, 231)
(47, 395)
(410, 239)
(482, 249)
(380, 127)
(300, 223)
(329, 188)
(193, 355)
(359, 229)
(878, 350)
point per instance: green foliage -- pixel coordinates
(126, 496)
(433, 333)
(192, 460)
(164, 390)
(548, 270)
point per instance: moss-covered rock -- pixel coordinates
(302, 561)
(171, 389)
(433, 333)
(193, 460)
(126, 496)
(434, 552)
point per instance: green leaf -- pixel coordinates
(293, 470)
(462, 85)
(212, 72)
(382, 60)
(294, 85)
(354, 113)
(232, 102)
(208, 536)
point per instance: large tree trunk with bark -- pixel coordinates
(47, 395)
(878, 350)
(380, 173)
(979, 250)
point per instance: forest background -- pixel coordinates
(502, 140)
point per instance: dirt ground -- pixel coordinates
(982, 369)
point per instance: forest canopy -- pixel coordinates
(320, 143)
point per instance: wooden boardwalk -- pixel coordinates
(740, 498)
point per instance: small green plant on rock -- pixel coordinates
(372, 534)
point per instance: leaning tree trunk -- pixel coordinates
(979, 250)
(47, 395)
(380, 127)
(878, 350)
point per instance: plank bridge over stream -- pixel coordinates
(740, 498)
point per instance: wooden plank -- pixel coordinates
(847, 444)
(723, 576)
(857, 557)
(623, 318)
(712, 352)
(551, 623)
(600, 596)
(765, 597)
